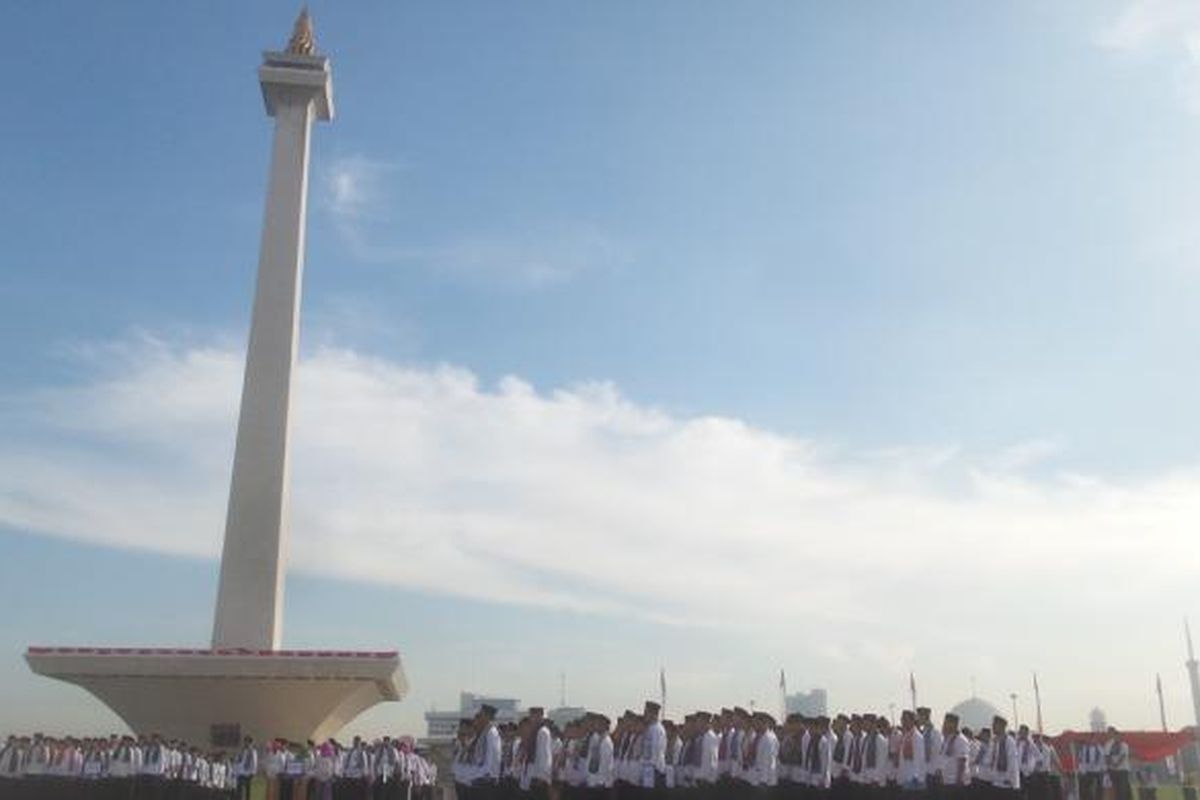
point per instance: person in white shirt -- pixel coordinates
(910, 774)
(1117, 762)
(876, 758)
(932, 737)
(599, 772)
(245, 768)
(356, 771)
(152, 772)
(654, 750)
(855, 740)
(952, 759)
(12, 764)
(724, 753)
(484, 755)
(766, 754)
(324, 769)
(840, 758)
(540, 763)
(981, 760)
(273, 763)
(37, 759)
(386, 768)
(1090, 768)
(1050, 770)
(578, 738)
(1006, 759)
(738, 721)
(819, 755)
(706, 773)
(95, 761)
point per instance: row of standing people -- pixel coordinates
(736, 753)
(153, 768)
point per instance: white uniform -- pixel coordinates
(911, 768)
(1005, 762)
(820, 766)
(766, 759)
(708, 772)
(876, 764)
(955, 751)
(12, 761)
(540, 767)
(654, 754)
(933, 749)
(600, 761)
(246, 765)
(842, 745)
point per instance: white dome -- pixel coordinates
(975, 713)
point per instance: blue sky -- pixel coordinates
(819, 306)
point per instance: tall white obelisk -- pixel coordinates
(296, 87)
(246, 685)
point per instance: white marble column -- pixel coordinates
(296, 88)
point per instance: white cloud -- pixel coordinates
(1170, 28)
(1148, 23)
(355, 193)
(576, 497)
(857, 565)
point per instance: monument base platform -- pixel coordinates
(215, 697)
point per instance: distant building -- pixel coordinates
(975, 713)
(563, 714)
(810, 704)
(1098, 720)
(440, 726)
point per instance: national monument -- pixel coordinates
(246, 684)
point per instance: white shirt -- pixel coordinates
(955, 751)
(654, 746)
(981, 761)
(37, 761)
(709, 769)
(12, 759)
(247, 763)
(911, 771)
(600, 761)
(1118, 756)
(1090, 758)
(274, 763)
(843, 744)
(123, 763)
(933, 748)
(1008, 775)
(358, 763)
(876, 743)
(543, 756)
(766, 759)
(820, 772)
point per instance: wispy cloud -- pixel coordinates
(357, 196)
(1169, 28)
(541, 497)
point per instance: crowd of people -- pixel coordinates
(731, 755)
(741, 755)
(153, 768)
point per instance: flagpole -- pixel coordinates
(1037, 697)
(782, 696)
(1162, 708)
(662, 689)
(1172, 761)
(912, 686)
